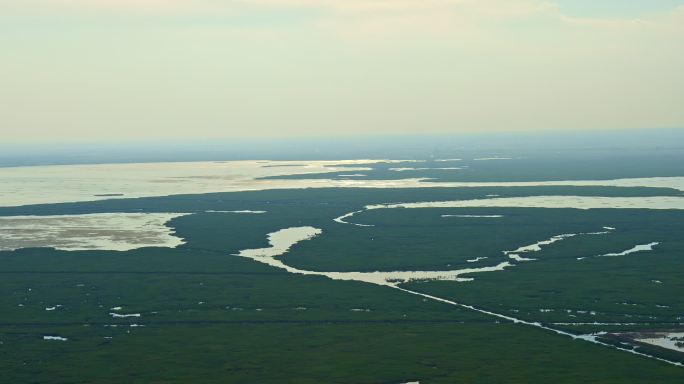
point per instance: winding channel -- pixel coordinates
(282, 241)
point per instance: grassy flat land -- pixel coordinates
(208, 316)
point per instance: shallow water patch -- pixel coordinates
(98, 231)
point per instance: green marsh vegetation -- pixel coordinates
(207, 316)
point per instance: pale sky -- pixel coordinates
(157, 69)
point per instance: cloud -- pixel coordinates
(145, 6)
(382, 18)
(357, 17)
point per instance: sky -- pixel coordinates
(188, 69)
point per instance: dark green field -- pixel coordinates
(208, 316)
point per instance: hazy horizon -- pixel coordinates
(614, 143)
